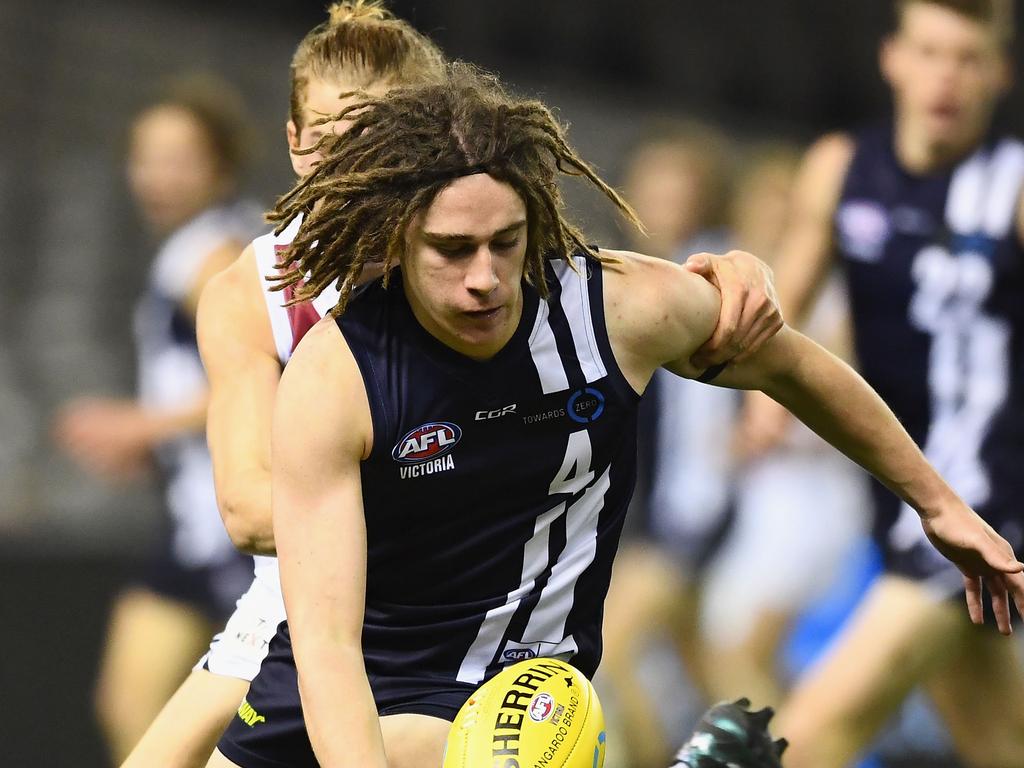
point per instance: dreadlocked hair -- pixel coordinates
(399, 151)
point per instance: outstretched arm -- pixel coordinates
(321, 433)
(834, 401)
(658, 315)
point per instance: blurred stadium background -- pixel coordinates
(74, 256)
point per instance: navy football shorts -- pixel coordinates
(268, 730)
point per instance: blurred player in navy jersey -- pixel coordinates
(924, 211)
(454, 447)
(185, 155)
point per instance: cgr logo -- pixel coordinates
(428, 441)
(497, 414)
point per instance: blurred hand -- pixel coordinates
(106, 437)
(750, 310)
(761, 427)
(984, 557)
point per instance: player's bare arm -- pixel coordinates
(237, 346)
(805, 260)
(657, 314)
(322, 431)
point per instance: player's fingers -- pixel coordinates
(1000, 603)
(1015, 584)
(975, 604)
(719, 348)
(998, 554)
(767, 329)
(699, 264)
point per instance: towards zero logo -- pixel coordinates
(427, 441)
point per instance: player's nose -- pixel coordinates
(481, 278)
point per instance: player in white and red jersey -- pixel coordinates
(246, 337)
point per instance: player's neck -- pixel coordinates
(920, 155)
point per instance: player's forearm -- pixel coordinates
(337, 704)
(245, 508)
(834, 401)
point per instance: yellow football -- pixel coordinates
(541, 713)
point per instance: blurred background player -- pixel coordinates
(185, 155)
(924, 211)
(247, 336)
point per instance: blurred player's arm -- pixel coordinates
(322, 431)
(803, 264)
(834, 401)
(113, 437)
(806, 253)
(237, 346)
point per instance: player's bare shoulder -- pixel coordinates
(323, 375)
(656, 312)
(232, 309)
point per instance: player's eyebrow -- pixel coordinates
(454, 237)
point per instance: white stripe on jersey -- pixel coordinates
(575, 300)
(966, 198)
(492, 631)
(1007, 166)
(266, 257)
(545, 356)
(548, 619)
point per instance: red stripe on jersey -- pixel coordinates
(301, 317)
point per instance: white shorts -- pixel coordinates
(798, 515)
(239, 650)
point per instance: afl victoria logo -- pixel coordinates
(428, 441)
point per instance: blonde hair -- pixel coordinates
(363, 43)
(997, 14)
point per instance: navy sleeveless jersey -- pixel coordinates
(936, 280)
(495, 492)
